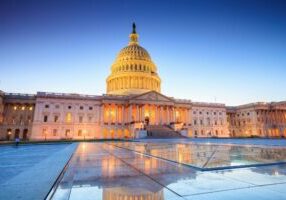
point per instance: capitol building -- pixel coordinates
(133, 107)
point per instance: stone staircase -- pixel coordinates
(162, 131)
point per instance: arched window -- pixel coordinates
(25, 134)
(9, 133)
(79, 133)
(68, 117)
(17, 133)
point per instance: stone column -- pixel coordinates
(122, 114)
(158, 115)
(161, 115)
(109, 115)
(130, 114)
(189, 116)
(167, 115)
(272, 117)
(186, 115)
(116, 114)
(170, 114)
(137, 113)
(143, 113)
(174, 114)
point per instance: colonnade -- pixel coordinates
(119, 114)
(273, 122)
(138, 82)
(272, 116)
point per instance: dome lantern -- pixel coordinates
(133, 36)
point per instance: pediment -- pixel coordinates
(152, 96)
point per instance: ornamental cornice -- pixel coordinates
(133, 74)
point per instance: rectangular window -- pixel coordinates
(56, 118)
(47, 106)
(90, 107)
(80, 119)
(44, 132)
(89, 119)
(81, 107)
(195, 122)
(55, 132)
(67, 132)
(29, 119)
(45, 118)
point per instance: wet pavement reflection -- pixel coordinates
(120, 171)
(210, 156)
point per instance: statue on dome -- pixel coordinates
(134, 28)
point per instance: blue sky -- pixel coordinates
(232, 52)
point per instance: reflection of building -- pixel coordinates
(133, 100)
(197, 155)
(259, 154)
(103, 168)
(131, 194)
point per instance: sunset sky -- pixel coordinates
(232, 52)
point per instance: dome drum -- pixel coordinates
(135, 84)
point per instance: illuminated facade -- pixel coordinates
(258, 119)
(132, 108)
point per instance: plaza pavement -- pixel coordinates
(28, 172)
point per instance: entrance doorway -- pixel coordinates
(147, 120)
(25, 134)
(17, 133)
(9, 132)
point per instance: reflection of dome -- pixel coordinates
(133, 71)
(131, 194)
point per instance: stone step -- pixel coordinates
(161, 131)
